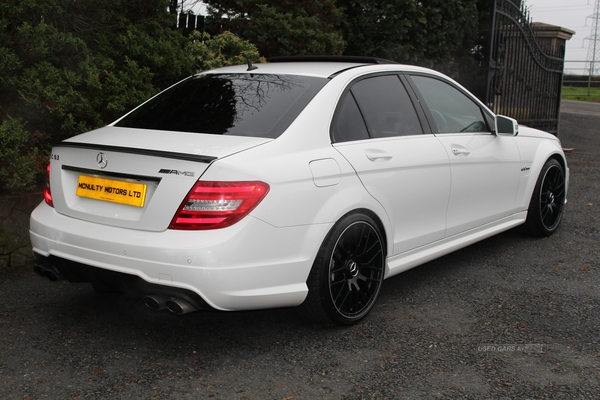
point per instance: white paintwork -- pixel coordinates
(246, 266)
(325, 172)
(485, 178)
(412, 183)
(175, 142)
(429, 199)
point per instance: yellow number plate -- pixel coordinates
(111, 190)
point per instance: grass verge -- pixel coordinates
(581, 94)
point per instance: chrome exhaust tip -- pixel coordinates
(51, 275)
(48, 271)
(156, 303)
(39, 270)
(180, 306)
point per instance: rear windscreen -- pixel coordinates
(227, 104)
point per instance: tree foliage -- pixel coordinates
(221, 50)
(431, 33)
(281, 27)
(448, 35)
(67, 66)
(18, 164)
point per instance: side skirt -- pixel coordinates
(413, 258)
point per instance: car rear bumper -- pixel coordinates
(250, 265)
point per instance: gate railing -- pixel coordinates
(525, 71)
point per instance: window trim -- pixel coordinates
(489, 118)
(421, 117)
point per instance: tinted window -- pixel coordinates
(386, 107)
(226, 104)
(349, 125)
(452, 110)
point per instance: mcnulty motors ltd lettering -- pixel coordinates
(110, 190)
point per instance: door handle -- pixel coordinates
(460, 151)
(378, 155)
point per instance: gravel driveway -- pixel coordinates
(511, 317)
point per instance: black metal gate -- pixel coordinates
(525, 75)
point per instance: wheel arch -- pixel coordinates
(380, 225)
(538, 156)
(347, 270)
(538, 169)
(561, 159)
(545, 212)
(563, 162)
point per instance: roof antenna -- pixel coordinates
(250, 66)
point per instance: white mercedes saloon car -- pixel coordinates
(302, 182)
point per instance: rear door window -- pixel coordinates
(350, 124)
(376, 107)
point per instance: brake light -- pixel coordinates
(47, 191)
(214, 205)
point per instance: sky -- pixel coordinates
(573, 15)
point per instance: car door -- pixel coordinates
(378, 130)
(485, 167)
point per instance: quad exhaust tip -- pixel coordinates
(156, 303)
(180, 306)
(174, 305)
(49, 272)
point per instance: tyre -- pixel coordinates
(548, 200)
(346, 276)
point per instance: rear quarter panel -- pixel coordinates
(295, 198)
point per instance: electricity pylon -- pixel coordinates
(593, 56)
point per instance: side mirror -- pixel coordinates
(506, 126)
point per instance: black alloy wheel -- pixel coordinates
(548, 201)
(348, 272)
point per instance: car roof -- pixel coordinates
(321, 68)
(316, 69)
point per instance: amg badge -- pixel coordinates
(175, 172)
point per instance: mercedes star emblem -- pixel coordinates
(102, 160)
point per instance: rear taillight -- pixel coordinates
(47, 191)
(214, 205)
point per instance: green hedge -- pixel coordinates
(68, 67)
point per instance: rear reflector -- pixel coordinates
(214, 205)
